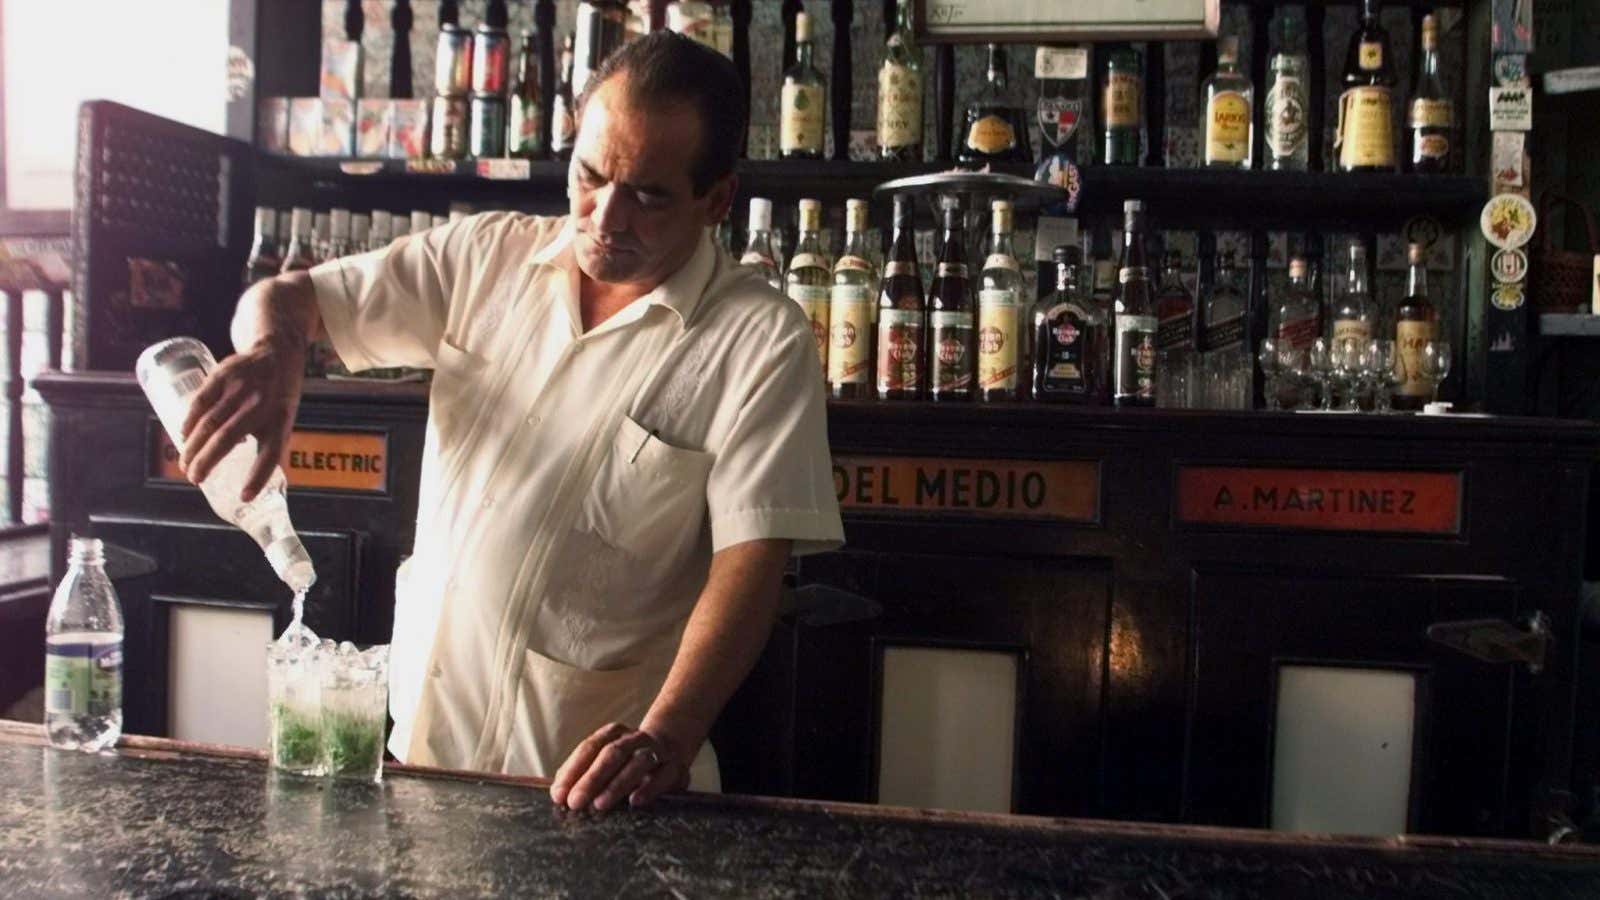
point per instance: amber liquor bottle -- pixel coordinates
(902, 313)
(1432, 116)
(1364, 137)
(1071, 343)
(1134, 361)
(995, 128)
(951, 332)
(1416, 323)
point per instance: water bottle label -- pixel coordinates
(83, 678)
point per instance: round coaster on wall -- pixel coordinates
(1508, 220)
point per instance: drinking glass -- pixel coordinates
(1270, 358)
(355, 702)
(1345, 362)
(1320, 362)
(1175, 377)
(1295, 363)
(1435, 364)
(294, 708)
(1386, 370)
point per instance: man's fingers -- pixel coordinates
(210, 393)
(579, 761)
(670, 777)
(205, 428)
(261, 470)
(217, 446)
(642, 762)
(607, 763)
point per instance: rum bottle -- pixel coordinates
(951, 335)
(1000, 312)
(901, 312)
(900, 92)
(995, 130)
(1135, 321)
(802, 101)
(809, 280)
(1071, 340)
(1363, 140)
(1432, 120)
(758, 250)
(1416, 323)
(850, 310)
(265, 261)
(1355, 315)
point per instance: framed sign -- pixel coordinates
(332, 460)
(1048, 21)
(1351, 500)
(1057, 490)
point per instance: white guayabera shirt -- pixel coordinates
(574, 485)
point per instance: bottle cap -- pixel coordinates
(319, 225)
(855, 215)
(760, 214)
(1437, 408)
(1066, 254)
(905, 210)
(810, 215)
(399, 224)
(1297, 268)
(1415, 254)
(267, 220)
(802, 28)
(87, 551)
(1228, 49)
(1133, 206)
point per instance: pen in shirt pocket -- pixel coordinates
(654, 433)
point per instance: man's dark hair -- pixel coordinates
(664, 67)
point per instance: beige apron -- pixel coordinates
(539, 709)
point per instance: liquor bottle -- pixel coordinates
(900, 92)
(850, 310)
(563, 118)
(360, 232)
(380, 234)
(339, 234)
(265, 260)
(399, 226)
(1433, 118)
(1174, 307)
(950, 320)
(902, 314)
(693, 19)
(1135, 322)
(1364, 137)
(1296, 321)
(320, 246)
(1071, 340)
(1000, 311)
(995, 130)
(758, 250)
(1122, 107)
(809, 280)
(802, 103)
(83, 655)
(523, 137)
(1230, 111)
(1287, 141)
(299, 255)
(1354, 315)
(1226, 362)
(1416, 323)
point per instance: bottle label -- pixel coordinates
(1061, 341)
(900, 267)
(853, 263)
(752, 258)
(807, 261)
(952, 335)
(1001, 261)
(1122, 106)
(800, 128)
(1410, 338)
(1370, 56)
(849, 336)
(524, 127)
(1365, 134)
(1225, 335)
(1286, 117)
(1426, 113)
(992, 135)
(813, 300)
(83, 678)
(998, 337)
(899, 106)
(1432, 146)
(566, 130)
(1297, 334)
(1228, 128)
(899, 350)
(951, 270)
(1351, 330)
(1175, 332)
(1136, 357)
(1129, 273)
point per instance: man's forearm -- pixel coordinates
(280, 310)
(724, 637)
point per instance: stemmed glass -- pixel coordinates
(1296, 365)
(1385, 373)
(1319, 362)
(1435, 364)
(1346, 364)
(1271, 371)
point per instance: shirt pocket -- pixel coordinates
(457, 393)
(648, 500)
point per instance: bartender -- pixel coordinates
(626, 441)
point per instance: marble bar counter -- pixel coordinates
(162, 818)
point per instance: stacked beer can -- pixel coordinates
(471, 74)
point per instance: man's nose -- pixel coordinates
(610, 210)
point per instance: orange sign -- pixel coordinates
(329, 460)
(1321, 499)
(1067, 491)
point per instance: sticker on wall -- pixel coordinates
(1511, 70)
(1508, 220)
(241, 73)
(1509, 266)
(1507, 162)
(1511, 108)
(1507, 297)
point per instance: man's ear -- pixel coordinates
(719, 198)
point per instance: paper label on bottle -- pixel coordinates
(849, 337)
(991, 135)
(899, 350)
(1122, 103)
(1297, 334)
(1286, 117)
(899, 106)
(524, 125)
(900, 267)
(951, 367)
(1136, 357)
(1175, 332)
(807, 261)
(850, 293)
(1060, 340)
(813, 300)
(1366, 129)
(1410, 338)
(1351, 330)
(1001, 261)
(951, 270)
(564, 130)
(1370, 56)
(1228, 128)
(1426, 113)
(1061, 62)
(83, 678)
(800, 125)
(853, 263)
(998, 339)
(1225, 335)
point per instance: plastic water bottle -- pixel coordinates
(170, 372)
(83, 655)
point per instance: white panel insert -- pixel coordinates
(1342, 750)
(217, 674)
(948, 733)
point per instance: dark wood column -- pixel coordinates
(843, 16)
(400, 19)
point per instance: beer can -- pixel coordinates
(452, 62)
(491, 60)
(488, 133)
(448, 137)
(600, 28)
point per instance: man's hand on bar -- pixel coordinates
(254, 392)
(617, 764)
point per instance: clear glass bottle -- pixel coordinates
(563, 118)
(855, 281)
(1135, 321)
(803, 100)
(1416, 324)
(1000, 357)
(902, 312)
(1230, 111)
(1226, 362)
(300, 254)
(758, 250)
(900, 92)
(1354, 316)
(1363, 138)
(339, 234)
(1432, 117)
(360, 232)
(1071, 337)
(524, 123)
(1122, 107)
(170, 372)
(951, 331)
(1296, 320)
(321, 245)
(1175, 339)
(1287, 138)
(995, 129)
(83, 654)
(809, 281)
(265, 259)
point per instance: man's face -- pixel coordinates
(637, 216)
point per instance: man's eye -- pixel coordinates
(652, 201)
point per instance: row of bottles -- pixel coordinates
(299, 239)
(972, 335)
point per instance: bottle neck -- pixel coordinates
(1417, 280)
(1001, 242)
(802, 54)
(996, 73)
(1300, 284)
(855, 244)
(1430, 60)
(1064, 279)
(1133, 243)
(902, 16)
(954, 246)
(1369, 13)
(1355, 277)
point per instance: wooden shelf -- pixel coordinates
(1177, 198)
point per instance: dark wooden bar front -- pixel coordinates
(162, 818)
(1173, 564)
